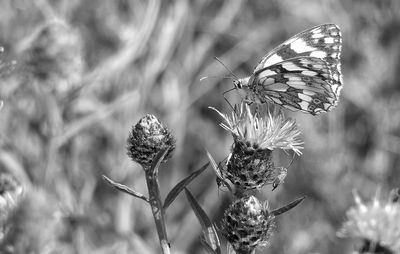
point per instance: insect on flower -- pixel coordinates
(303, 73)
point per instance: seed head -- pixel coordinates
(147, 138)
(247, 224)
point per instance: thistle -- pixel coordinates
(150, 143)
(147, 138)
(247, 224)
(377, 223)
(256, 132)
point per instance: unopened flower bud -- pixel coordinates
(147, 138)
(247, 224)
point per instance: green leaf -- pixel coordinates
(217, 171)
(206, 246)
(287, 207)
(126, 189)
(181, 185)
(209, 231)
(157, 161)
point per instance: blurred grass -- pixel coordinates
(88, 70)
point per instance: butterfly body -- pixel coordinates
(302, 73)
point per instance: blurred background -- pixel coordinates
(88, 70)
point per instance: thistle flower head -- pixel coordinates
(263, 126)
(147, 138)
(247, 224)
(376, 221)
(256, 132)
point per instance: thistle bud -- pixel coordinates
(147, 138)
(247, 224)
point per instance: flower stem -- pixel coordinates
(157, 209)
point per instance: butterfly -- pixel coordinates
(303, 73)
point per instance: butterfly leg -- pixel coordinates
(227, 101)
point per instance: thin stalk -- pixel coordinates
(157, 209)
(155, 202)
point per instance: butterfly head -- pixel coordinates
(241, 83)
(237, 83)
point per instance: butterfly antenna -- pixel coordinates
(226, 77)
(226, 67)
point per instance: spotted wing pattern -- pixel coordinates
(302, 83)
(310, 62)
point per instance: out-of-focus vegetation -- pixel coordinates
(88, 70)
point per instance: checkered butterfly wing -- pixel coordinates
(302, 83)
(303, 73)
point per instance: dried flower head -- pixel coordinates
(263, 126)
(247, 224)
(147, 138)
(378, 222)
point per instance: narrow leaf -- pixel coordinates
(208, 227)
(214, 165)
(217, 171)
(181, 185)
(206, 246)
(157, 161)
(125, 189)
(287, 207)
